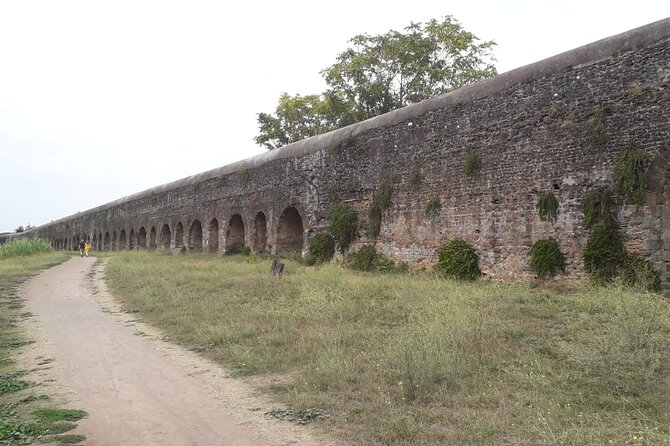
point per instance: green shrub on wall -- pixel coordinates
(433, 207)
(321, 248)
(605, 254)
(630, 174)
(380, 202)
(547, 207)
(343, 224)
(368, 259)
(472, 164)
(639, 274)
(546, 258)
(458, 260)
(598, 207)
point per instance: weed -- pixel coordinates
(597, 131)
(472, 164)
(630, 174)
(546, 258)
(547, 207)
(380, 202)
(52, 415)
(604, 254)
(343, 224)
(639, 274)
(321, 248)
(458, 260)
(433, 207)
(598, 207)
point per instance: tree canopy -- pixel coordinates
(377, 74)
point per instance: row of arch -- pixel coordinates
(289, 236)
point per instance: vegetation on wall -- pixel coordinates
(546, 258)
(433, 207)
(458, 260)
(368, 259)
(343, 224)
(630, 174)
(472, 164)
(598, 207)
(604, 254)
(597, 131)
(639, 274)
(547, 207)
(321, 248)
(380, 202)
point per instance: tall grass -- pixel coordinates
(18, 248)
(416, 359)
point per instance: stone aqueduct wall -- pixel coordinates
(530, 127)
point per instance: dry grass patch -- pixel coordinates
(419, 360)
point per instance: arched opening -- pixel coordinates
(152, 238)
(99, 241)
(94, 242)
(115, 239)
(195, 236)
(107, 243)
(123, 243)
(179, 236)
(235, 234)
(260, 232)
(290, 231)
(75, 243)
(131, 239)
(142, 238)
(213, 236)
(166, 234)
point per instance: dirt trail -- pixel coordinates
(138, 390)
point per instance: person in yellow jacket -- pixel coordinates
(87, 247)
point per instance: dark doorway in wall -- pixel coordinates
(107, 244)
(94, 242)
(213, 235)
(100, 245)
(166, 235)
(152, 238)
(179, 236)
(123, 243)
(235, 234)
(195, 236)
(260, 232)
(142, 238)
(290, 231)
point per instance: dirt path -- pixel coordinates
(138, 390)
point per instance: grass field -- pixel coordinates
(412, 359)
(27, 415)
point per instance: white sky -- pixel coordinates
(99, 100)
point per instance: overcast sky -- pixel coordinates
(99, 100)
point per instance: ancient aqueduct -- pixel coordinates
(531, 128)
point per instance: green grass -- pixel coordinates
(26, 417)
(24, 248)
(414, 359)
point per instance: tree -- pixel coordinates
(20, 229)
(377, 74)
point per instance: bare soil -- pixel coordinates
(137, 388)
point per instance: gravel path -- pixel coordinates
(138, 389)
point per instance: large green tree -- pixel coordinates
(377, 74)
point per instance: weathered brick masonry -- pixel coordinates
(530, 127)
